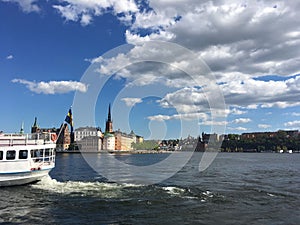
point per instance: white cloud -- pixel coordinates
(84, 11)
(214, 123)
(9, 57)
(242, 120)
(236, 111)
(26, 5)
(184, 116)
(295, 123)
(267, 94)
(237, 128)
(262, 36)
(246, 93)
(240, 42)
(130, 102)
(52, 87)
(249, 94)
(264, 126)
(280, 104)
(85, 19)
(236, 39)
(68, 12)
(133, 38)
(295, 114)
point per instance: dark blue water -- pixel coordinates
(238, 188)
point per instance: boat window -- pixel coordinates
(23, 154)
(47, 152)
(10, 155)
(1, 155)
(35, 153)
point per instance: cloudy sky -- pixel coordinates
(245, 54)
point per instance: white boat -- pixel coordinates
(26, 158)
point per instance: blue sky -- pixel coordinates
(250, 47)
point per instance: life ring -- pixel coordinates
(53, 137)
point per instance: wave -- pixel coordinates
(187, 193)
(174, 190)
(82, 188)
(107, 190)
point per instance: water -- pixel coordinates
(238, 188)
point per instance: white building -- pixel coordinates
(88, 139)
(83, 132)
(109, 142)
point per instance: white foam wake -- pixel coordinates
(100, 189)
(174, 190)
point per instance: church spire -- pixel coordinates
(35, 122)
(108, 126)
(109, 114)
(22, 128)
(35, 127)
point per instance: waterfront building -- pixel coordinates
(83, 132)
(139, 139)
(109, 142)
(210, 137)
(124, 141)
(63, 138)
(90, 144)
(88, 139)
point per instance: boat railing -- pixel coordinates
(41, 156)
(27, 139)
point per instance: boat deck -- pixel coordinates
(28, 139)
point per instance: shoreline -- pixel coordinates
(152, 152)
(117, 152)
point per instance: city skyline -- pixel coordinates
(250, 48)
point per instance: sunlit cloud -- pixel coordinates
(9, 57)
(264, 126)
(242, 120)
(131, 101)
(295, 123)
(26, 5)
(52, 87)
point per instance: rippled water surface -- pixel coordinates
(238, 188)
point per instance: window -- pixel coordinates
(1, 155)
(47, 152)
(10, 155)
(35, 153)
(23, 154)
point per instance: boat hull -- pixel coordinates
(13, 179)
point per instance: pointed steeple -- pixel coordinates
(108, 126)
(22, 128)
(35, 122)
(35, 127)
(109, 114)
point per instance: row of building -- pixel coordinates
(90, 138)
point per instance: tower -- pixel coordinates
(22, 128)
(35, 128)
(108, 126)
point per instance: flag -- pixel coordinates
(69, 118)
